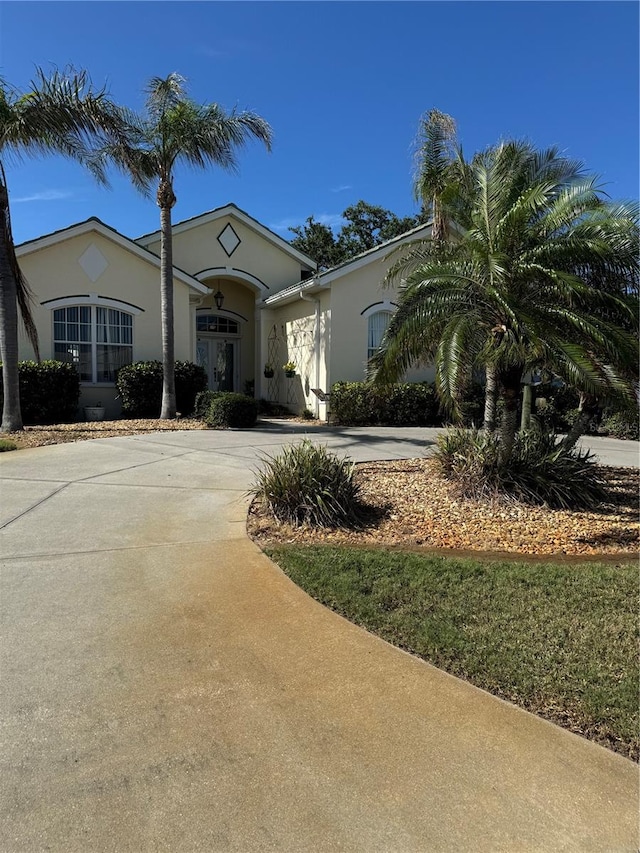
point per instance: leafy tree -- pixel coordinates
(59, 114)
(366, 227)
(537, 278)
(172, 130)
(317, 241)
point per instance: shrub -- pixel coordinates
(621, 425)
(203, 402)
(230, 410)
(6, 445)
(310, 485)
(556, 407)
(365, 404)
(472, 405)
(140, 387)
(49, 391)
(540, 471)
(190, 380)
(411, 404)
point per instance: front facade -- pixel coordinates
(244, 300)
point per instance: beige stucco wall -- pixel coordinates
(293, 326)
(351, 294)
(197, 249)
(54, 272)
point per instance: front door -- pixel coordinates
(219, 357)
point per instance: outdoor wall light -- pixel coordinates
(218, 298)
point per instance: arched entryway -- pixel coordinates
(218, 342)
(225, 336)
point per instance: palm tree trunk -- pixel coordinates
(490, 399)
(588, 407)
(527, 403)
(510, 382)
(166, 200)
(11, 414)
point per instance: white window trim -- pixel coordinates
(99, 302)
(92, 299)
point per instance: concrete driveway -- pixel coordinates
(165, 687)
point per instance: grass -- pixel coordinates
(557, 639)
(6, 445)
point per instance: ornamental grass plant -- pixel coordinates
(309, 485)
(540, 470)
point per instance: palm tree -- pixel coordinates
(537, 278)
(59, 114)
(174, 129)
(437, 153)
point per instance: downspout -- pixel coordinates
(305, 298)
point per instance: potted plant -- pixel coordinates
(268, 371)
(289, 369)
(94, 413)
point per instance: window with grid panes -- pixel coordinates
(377, 326)
(97, 340)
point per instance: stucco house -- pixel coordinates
(243, 298)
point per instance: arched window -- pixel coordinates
(217, 324)
(377, 326)
(97, 339)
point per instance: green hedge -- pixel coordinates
(229, 410)
(49, 392)
(621, 425)
(140, 387)
(363, 404)
(203, 402)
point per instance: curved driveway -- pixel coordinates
(165, 687)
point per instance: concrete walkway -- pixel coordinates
(166, 688)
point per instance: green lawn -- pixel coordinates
(559, 639)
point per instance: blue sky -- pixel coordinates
(343, 86)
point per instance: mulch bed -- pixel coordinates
(39, 436)
(418, 509)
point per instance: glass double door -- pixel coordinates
(219, 357)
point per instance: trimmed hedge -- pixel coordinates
(230, 410)
(140, 387)
(49, 392)
(363, 404)
(203, 402)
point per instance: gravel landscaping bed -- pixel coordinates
(38, 436)
(418, 509)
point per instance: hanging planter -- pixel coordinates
(289, 369)
(268, 371)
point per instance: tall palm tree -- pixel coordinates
(436, 155)
(174, 129)
(59, 114)
(538, 278)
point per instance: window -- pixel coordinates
(217, 324)
(97, 340)
(378, 323)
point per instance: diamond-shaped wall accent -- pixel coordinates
(228, 239)
(93, 262)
